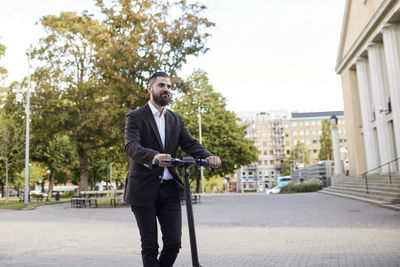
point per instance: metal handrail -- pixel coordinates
(364, 175)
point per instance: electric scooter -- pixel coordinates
(186, 163)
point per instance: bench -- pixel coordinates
(79, 202)
(195, 199)
(89, 198)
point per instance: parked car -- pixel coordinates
(275, 190)
(13, 194)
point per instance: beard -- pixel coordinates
(162, 99)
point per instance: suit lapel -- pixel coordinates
(167, 129)
(150, 119)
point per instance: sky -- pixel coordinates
(264, 54)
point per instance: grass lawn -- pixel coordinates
(15, 204)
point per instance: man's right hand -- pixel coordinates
(160, 157)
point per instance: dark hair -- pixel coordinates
(153, 77)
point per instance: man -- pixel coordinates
(153, 133)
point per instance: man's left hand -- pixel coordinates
(214, 162)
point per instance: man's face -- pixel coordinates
(160, 91)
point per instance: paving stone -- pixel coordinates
(232, 230)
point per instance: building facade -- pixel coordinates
(369, 65)
(306, 127)
(271, 135)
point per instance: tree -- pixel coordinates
(12, 137)
(221, 133)
(326, 141)
(11, 128)
(92, 73)
(299, 158)
(59, 157)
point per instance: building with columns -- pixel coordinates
(369, 65)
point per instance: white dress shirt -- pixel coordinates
(160, 122)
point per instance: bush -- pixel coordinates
(301, 187)
(69, 194)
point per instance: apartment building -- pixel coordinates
(306, 127)
(271, 135)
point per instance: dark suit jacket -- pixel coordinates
(143, 142)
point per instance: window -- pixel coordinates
(301, 133)
(288, 152)
(265, 152)
(312, 123)
(264, 143)
(294, 123)
(271, 152)
(294, 133)
(271, 162)
(307, 123)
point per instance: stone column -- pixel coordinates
(380, 94)
(391, 41)
(336, 150)
(370, 142)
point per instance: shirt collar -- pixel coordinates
(155, 111)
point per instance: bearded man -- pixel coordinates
(153, 133)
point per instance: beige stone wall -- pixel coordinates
(358, 16)
(352, 113)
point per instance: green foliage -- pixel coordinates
(3, 71)
(92, 72)
(214, 184)
(299, 157)
(68, 194)
(12, 136)
(221, 133)
(301, 187)
(326, 141)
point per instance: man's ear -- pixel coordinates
(149, 89)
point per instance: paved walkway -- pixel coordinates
(232, 230)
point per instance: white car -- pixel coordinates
(274, 190)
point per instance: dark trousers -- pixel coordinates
(167, 210)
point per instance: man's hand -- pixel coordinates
(160, 157)
(214, 162)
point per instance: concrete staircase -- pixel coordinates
(380, 191)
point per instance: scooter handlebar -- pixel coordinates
(187, 161)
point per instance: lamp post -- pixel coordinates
(336, 146)
(28, 95)
(200, 140)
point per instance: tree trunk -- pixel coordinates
(7, 187)
(84, 177)
(51, 185)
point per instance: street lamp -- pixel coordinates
(200, 140)
(336, 146)
(28, 95)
